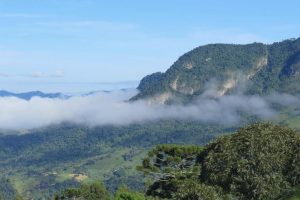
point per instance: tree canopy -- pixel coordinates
(260, 161)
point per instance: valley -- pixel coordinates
(206, 96)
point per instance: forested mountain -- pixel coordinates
(227, 68)
(257, 162)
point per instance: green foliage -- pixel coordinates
(295, 195)
(68, 142)
(68, 148)
(134, 182)
(7, 191)
(124, 193)
(151, 84)
(19, 197)
(30, 160)
(260, 161)
(94, 191)
(168, 160)
(97, 191)
(192, 190)
(167, 164)
(274, 67)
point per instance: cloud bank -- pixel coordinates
(113, 109)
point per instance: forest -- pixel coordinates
(259, 161)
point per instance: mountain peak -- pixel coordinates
(262, 68)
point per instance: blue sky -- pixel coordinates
(59, 41)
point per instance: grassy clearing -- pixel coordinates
(100, 167)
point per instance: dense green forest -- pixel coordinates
(260, 161)
(255, 68)
(49, 159)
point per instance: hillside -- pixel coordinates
(49, 159)
(260, 161)
(227, 68)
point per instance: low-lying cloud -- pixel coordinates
(112, 108)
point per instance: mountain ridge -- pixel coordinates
(260, 68)
(31, 94)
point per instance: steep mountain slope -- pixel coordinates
(227, 68)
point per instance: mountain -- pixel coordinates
(29, 95)
(227, 68)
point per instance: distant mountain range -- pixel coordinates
(29, 95)
(227, 68)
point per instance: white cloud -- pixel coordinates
(112, 108)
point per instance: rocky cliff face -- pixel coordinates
(259, 68)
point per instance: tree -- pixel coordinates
(260, 161)
(94, 191)
(124, 193)
(167, 166)
(193, 190)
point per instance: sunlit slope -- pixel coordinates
(252, 69)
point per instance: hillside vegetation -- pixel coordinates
(254, 68)
(46, 160)
(260, 161)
